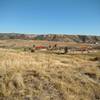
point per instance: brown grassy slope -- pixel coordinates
(40, 76)
(29, 43)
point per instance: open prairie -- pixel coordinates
(43, 76)
(17, 43)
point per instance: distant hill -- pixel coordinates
(73, 38)
(53, 37)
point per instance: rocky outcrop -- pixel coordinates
(53, 37)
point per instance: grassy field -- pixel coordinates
(44, 76)
(17, 43)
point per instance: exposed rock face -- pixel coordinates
(73, 38)
(53, 37)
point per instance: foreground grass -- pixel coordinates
(40, 76)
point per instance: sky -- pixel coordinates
(50, 16)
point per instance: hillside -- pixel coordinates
(53, 37)
(73, 38)
(40, 76)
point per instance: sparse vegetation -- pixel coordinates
(42, 76)
(29, 75)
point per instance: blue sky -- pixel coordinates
(50, 16)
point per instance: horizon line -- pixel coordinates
(45, 33)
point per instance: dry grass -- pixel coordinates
(17, 43)
(40, 76)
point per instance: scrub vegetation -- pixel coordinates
(44, 76)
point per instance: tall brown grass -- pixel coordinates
(40, 76)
